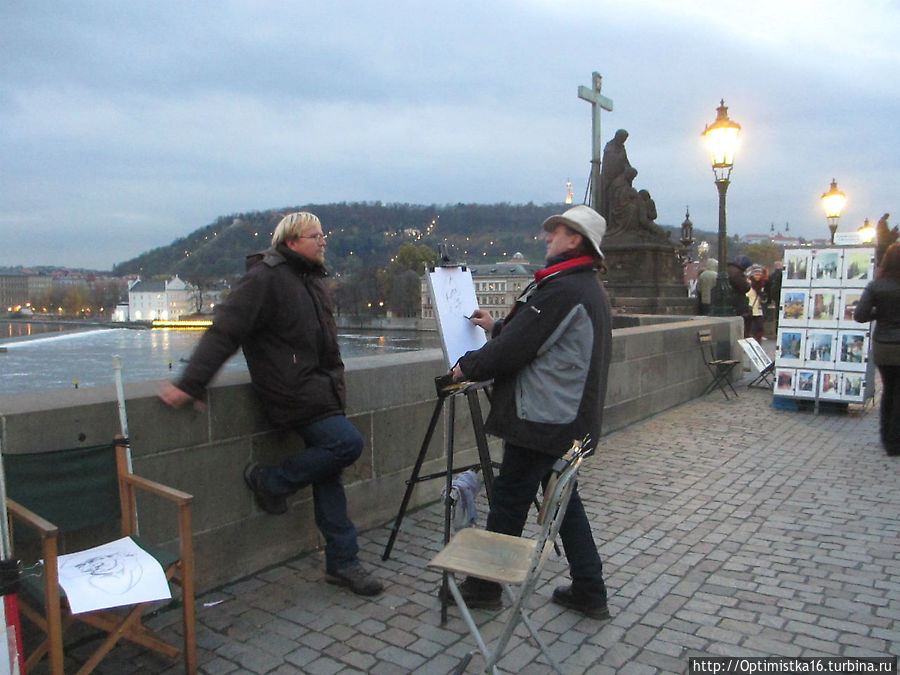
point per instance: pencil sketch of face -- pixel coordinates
(452, 295)
(113, 573)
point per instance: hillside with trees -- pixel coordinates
(376, 251)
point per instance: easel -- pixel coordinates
(448, 392)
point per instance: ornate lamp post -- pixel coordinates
(722, 136)
(833, 201)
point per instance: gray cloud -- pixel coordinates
(126, 125)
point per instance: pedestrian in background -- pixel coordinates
(706, 282)
(880, 302)
(757, 301)
(773, 291)
(737, 279)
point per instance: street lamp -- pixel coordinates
(833, 201)
(721, 137)
(867, 232)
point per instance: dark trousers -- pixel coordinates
(890, 408)
(522, 471)
(331, 445)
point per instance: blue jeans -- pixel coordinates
(331, 445)
(515, 487)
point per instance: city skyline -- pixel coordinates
(129, 126)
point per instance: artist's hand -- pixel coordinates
(175, 397)
(483, 319)
(457, 374)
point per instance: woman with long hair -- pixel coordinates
(880, 302)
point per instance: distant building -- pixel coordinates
(167, 300)
(497, 285)
(782, 240)
(13, 289)
(785, 241)
(753, 239)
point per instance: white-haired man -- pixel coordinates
(549, 360)
(281, 316)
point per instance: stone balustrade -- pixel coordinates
(390, 399)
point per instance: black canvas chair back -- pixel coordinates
(73, 489)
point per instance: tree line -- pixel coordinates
(376, 252)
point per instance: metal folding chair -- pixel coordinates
(513, 562)
(720, 369)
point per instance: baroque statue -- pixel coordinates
(630, 213)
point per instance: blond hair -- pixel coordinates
(293, 225)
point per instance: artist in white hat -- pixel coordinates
(549, 360)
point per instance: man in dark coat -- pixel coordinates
(549, 360)
(737, 280)
(281, 316)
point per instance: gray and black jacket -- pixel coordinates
(549, 360)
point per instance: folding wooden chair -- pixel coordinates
(720, 369)
(64, 491)
(513, 562)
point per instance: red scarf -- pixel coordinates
(540, 275)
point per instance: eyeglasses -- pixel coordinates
(320, 238)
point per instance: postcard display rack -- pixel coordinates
(821, 352)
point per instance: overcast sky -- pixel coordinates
(125, 125)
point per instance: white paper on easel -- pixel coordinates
(111, 575)
(453, 294)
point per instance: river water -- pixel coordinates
(36, 360)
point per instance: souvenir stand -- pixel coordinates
(821, 353)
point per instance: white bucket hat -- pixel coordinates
(583, 220)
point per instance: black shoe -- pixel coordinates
(274, 504)
(356, 578)
(477, 593)
(594, 608)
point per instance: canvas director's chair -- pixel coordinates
(513, 562)
(719, 368)
(66, 491)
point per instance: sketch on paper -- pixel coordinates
(453, 295)
(114, 574)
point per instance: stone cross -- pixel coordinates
(598, 102)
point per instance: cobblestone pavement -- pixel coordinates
(726, 528)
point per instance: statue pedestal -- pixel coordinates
(646, 278)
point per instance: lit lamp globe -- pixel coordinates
(833, 201)
(867, 232)
(722, 138)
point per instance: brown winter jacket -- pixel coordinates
(281, 316)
